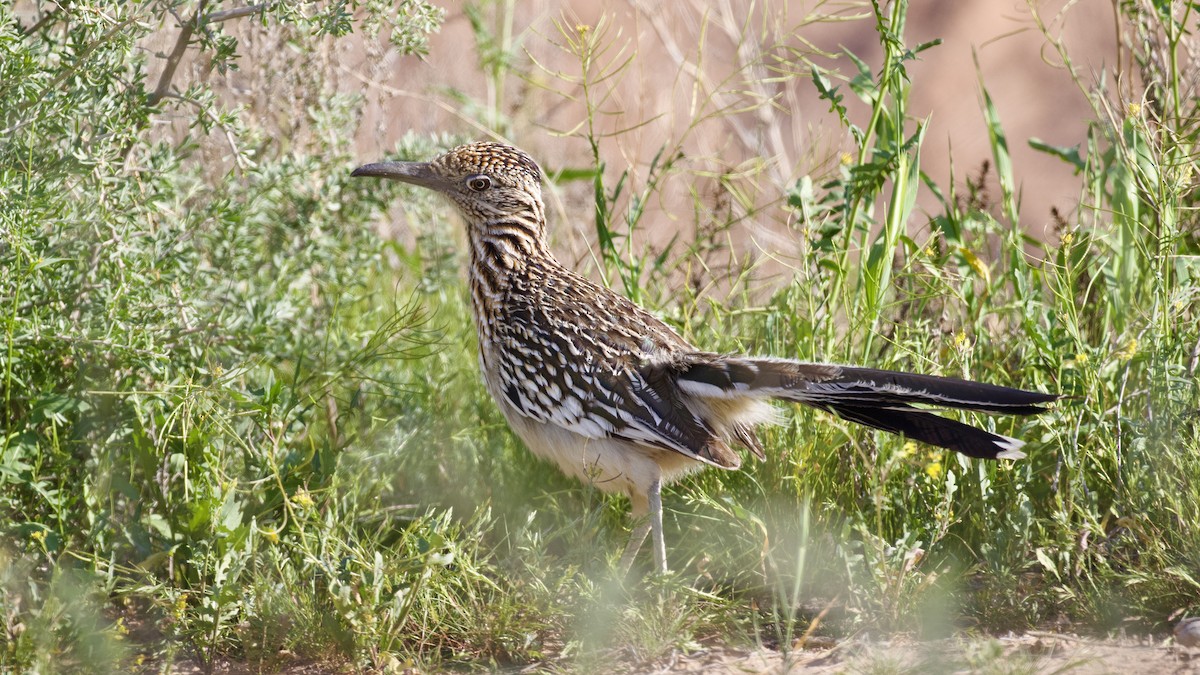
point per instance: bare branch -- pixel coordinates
(236, 13)
(46, 18)
(187, 29)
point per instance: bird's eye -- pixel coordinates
(479, 183)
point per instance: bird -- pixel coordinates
(1187, 632)
(614, 396)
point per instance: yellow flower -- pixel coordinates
(271, 536)
(933, 470)
(38, 536)
(1127, 352)
(1185, 175)
(302, 499)
(909, 449)
(981, 270)
(1133, 110)
(960, 339)
(846, 159)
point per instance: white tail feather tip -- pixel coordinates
(1010, 448)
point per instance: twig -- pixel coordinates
(456, 112)
(46, 18)
(1195, 359)
(238, 157)
(187, 30)
(235, 13)
(1055, 636)
(181, 44)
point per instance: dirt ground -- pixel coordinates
(1029, 653)
(1036, 652)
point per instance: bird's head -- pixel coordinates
(486, 181)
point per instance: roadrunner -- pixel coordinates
(612, 395)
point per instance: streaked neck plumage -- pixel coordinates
(505, 245)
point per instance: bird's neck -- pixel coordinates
(504, 249)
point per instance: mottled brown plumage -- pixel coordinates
(612, 395)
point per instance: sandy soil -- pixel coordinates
(1040, 653)
(1030, 653)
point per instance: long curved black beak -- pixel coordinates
(414, 173)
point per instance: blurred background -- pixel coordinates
(719, 83)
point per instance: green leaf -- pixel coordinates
(571, 174)
(1068, 154)
(229, 517)
(1046, 563)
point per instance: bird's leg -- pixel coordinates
(656, 525)
(641, 527)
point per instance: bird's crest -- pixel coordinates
(494, 159)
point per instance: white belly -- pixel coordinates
(609, 464)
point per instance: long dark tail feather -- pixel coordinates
(945, 392)
(882, 399)
(926, 427)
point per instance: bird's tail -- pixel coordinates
(882, 399)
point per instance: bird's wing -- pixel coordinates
(587, 376)
(610, 400)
